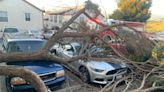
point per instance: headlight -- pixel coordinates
(17, 81)
(97, 70)
(60, 73)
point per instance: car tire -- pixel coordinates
(84, 71)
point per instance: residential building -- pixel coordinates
(20, 14)
(58, 17)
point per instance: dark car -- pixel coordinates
(51, 73)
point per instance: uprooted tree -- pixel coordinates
(137, 48)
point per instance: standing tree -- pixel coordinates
(132, 10)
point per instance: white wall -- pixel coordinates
(16, 10)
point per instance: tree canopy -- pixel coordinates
(132, 10)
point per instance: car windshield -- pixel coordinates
(10, 30)
(24, 46)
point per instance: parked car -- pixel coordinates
(93, 70)
(36, 33)
(65, 50)
(6, 30)
(48, 34)
(51, 73)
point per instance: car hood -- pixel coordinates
(104, 65)
(39, 67)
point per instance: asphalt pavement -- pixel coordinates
(2, 78)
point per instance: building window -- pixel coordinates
(51, 18)
(60, 19)
(3, 16)
(55, 18)
(28, 16)
(81, 19)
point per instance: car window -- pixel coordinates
(24, 46)
(10, 30)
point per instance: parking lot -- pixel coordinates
(71, 84)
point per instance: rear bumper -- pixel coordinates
(25, 88)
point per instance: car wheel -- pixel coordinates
(84, 71)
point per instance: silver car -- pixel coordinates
(93, 71)
(65, 50)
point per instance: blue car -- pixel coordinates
(51, 73)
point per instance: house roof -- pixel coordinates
(33, 5)
(59, 12)
(63, 10)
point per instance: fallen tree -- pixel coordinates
(139, 71)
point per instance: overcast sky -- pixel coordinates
(106, 5)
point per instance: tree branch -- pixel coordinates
(26, 74)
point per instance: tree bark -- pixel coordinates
(26, 74)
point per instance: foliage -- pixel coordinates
(138, 47)
(157, 80)
(154, 26)
(92, 8)
(158, 53)
(132, 10)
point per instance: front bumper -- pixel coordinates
(102, 78)
(26, 87)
